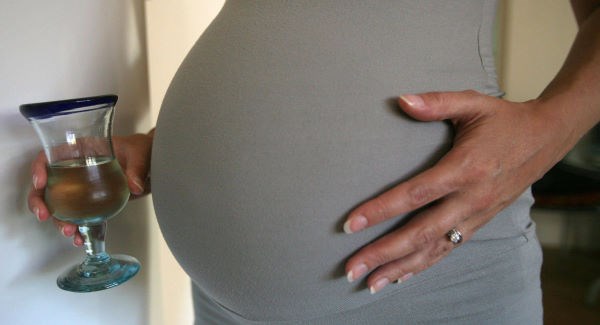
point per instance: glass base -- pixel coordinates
(98, 273)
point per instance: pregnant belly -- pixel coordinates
(251, 191)
(252, 206)
(259, 155)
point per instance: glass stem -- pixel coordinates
(96, 256)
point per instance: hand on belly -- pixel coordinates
(482, 174)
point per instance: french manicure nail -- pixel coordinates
(404, 278)
(36, 211)
(413, 100)
(138, 184)
(356, 272)
(379, 284)
(34, 181)
(355, 224)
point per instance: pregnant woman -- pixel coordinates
(294, 187)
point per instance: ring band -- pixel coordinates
(454, 236)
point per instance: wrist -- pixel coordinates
(562, 121)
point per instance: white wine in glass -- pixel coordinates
(86, 192)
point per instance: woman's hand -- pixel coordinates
(500, 149)
(133, 153)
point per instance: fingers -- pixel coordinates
(403, 268)
(444, 178)
(420, 234)
(69, 230)
(65, 228)
(134, 153)
(423, 189)
(423, 241)
(39, 177)
(135, 175)
(451, 195)
(38, 171)
(38, 206)
(136, 171)
(455, 170)
(416, 246)
(437, 106)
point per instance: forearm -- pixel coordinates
(573, 96)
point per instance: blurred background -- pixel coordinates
(72, 48)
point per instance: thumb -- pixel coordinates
(38, 171)
(437, 106)
(134, 155)
(136, 174)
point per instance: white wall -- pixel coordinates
(54, 50)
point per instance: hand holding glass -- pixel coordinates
(85, 183)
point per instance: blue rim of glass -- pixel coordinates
(65, 106)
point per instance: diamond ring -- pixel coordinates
(455, 236)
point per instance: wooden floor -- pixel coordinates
(566, 278)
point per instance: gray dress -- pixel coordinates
(281, 120)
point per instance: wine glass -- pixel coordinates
(86, 185)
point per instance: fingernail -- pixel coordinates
(413, 100)
(356, 272)
(404, 278)
(77, 242)
(355, 224)
(34, 182)
(66, 231)
(379, 284)
(138, 184)
(36, 211)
